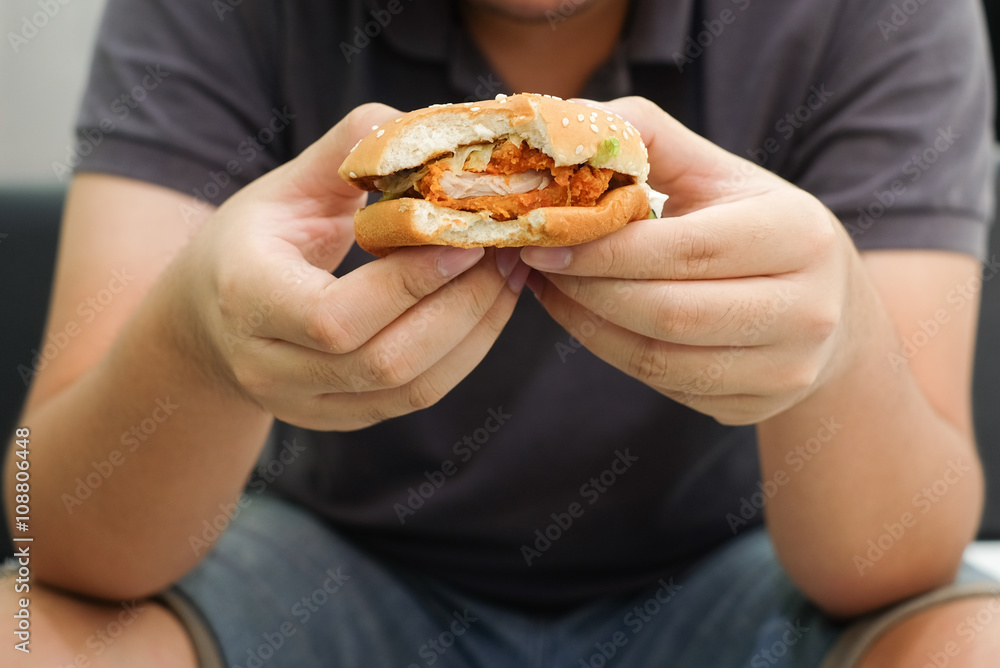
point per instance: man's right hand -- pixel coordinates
(321, 352)
(148, 421)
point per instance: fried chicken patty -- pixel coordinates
(572, 185)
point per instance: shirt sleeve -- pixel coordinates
(180, 95)
(901, 144)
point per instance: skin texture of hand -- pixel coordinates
(749, 302)
(328, 353)
(732, 304)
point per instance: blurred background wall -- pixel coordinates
(43, 65)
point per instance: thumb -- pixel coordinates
(681, 161)
(315, 172)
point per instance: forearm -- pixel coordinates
(129, 460)
(876, 494)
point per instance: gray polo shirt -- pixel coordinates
(547, 477)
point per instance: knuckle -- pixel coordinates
(478, 300)
(325, 374)
(648, 362)
(329, 332)
(613, 258)
(798, 378)
(694, 251)
(406, 288)
(676, 313)
(386, 366)
(421, 394)
(252, 381)
(823, 322)
(372, 414)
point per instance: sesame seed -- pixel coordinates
(355, 146)
(579, 117)
(353, 175)
(565, 122)
(380, 133)
(610, 119)
(399, 119)
(594, 128)
(614, 127)
(500, 97)
(374, 127)
(579, 149)
(474, 109)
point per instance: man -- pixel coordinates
(583, 487)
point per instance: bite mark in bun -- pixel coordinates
(523, 170)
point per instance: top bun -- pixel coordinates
(568, 132)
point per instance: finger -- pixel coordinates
(743, 238)
(676, 154)
(311, 308)
(727, 312)
(403, 350)
(348, 411)
(314, 172)
(683, 372)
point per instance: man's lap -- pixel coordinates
(282, 589)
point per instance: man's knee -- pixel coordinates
(60, 630)
(958, 634)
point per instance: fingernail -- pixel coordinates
(453, 261)
(518, 276)
(547, 259)
(506, 259)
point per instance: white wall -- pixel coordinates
(41, 82)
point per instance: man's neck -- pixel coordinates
(554, 57)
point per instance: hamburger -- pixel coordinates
(520, 170)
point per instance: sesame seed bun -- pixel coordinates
(570, 133)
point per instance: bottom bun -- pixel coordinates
(385, 226)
